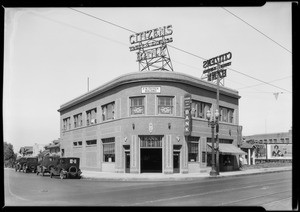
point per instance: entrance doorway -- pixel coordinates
(176, 162)
(127, 162)
(151, 160)
(151, 153)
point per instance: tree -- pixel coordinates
(9, 155)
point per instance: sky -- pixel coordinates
(49, 53)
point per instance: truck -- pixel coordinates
(30, 164)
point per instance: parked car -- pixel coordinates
(67, 167)
(19, 163)
(30, 164)
(46, 164)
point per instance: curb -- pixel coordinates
(139, 179)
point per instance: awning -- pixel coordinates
(227, 149)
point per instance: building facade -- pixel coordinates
(135, 123)
(271, 145)
(53, 148)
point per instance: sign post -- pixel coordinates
(214, 72)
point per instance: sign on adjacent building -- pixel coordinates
(187, 114)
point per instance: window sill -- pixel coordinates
(94, 145)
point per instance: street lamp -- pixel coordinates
(213, 121)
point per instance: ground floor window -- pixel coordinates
(108, 149)
(193, 153)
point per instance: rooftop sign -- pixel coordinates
(156, 58)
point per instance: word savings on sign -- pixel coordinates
(151, 34)
(216, 60)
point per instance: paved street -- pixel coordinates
(273, 191)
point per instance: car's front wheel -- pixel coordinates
(61, 175)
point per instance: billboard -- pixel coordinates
(279, 151)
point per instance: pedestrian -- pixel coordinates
(241, 162)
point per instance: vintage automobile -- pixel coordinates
(67, 167)
(19, 163)
(46, 164)
(30, 164)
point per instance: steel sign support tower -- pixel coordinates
(158, 62)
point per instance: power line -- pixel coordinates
(257, 30)
(262, 83)
(179, 48)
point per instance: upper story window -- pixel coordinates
(137, 105)
(91, 116)
(67, 123)
(165, 105)
(226, 114)
(108, 111)
(78, 120)
(199, 109)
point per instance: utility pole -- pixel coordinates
(217, 124)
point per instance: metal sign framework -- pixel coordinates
(159, 61)
(153, 54)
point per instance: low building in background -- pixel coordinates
(26, 151)
(272, 145)
(53, 148)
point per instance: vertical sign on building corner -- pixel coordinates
(187, 114)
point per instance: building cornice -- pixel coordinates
(159, 76)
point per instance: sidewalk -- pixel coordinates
(107, 176)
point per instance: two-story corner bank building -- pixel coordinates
(135, 124)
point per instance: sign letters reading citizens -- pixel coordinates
(150, 38)
(215, 65)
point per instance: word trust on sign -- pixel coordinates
(217, 60)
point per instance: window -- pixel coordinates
(108, 111)
(199, 109)
(67, 123)
(91, 116)
(193, 143)
(108, 149)
(91, 142)
(137, 105)
(221, 141)
(78, 120)
(77, 143)
(165, 105)
(226, 114)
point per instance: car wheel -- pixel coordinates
(61, 175)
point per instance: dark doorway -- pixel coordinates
(127, 162)
(151, 160)
(176, 162)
